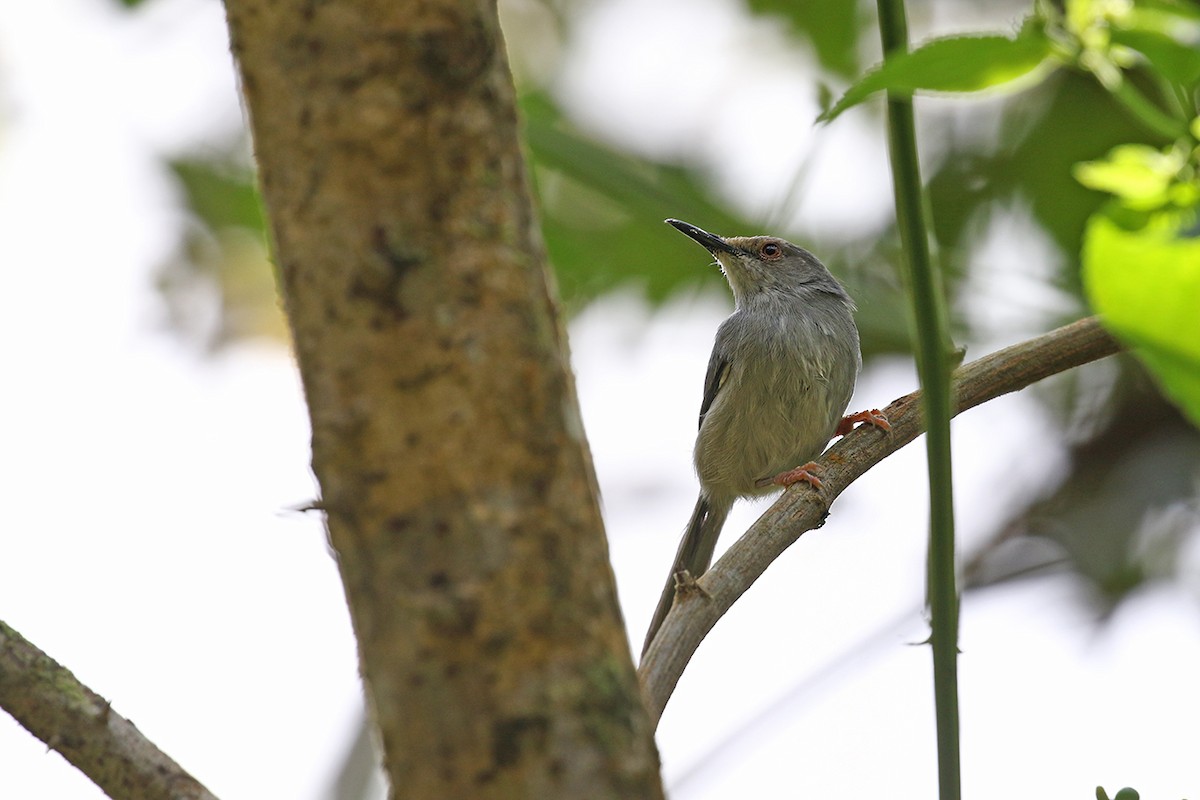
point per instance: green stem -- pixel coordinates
(933, 348)
(1147, 113)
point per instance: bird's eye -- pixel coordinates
(770, 250)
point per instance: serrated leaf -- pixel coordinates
(953, 64)
(1145, 284)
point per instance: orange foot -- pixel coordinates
(805, 472)
(873, 417)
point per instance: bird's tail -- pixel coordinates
(694, 555)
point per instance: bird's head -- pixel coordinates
(757, 264)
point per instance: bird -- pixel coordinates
(780, 377)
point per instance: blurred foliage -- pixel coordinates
(602, 211)
(1101, 120)
(220, 194)
(1126, 504)
(220, 286)
(1156, 307)
(1041, 137)
(833, 28)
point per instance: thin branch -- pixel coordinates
(701, 603)
(54, 706)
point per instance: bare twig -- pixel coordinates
(801, 508)
(69, 717)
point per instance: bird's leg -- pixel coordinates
(805, 472)
(873, 417)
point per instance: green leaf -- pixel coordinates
(1140, 175)
(1145, 284)
(1174, 59)
(953, 64)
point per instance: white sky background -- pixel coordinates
(147, 543)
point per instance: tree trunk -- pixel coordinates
(447, 440)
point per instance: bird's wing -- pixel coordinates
(718, 371)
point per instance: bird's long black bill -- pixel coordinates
(711, 242)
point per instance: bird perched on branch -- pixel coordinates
(782, 370)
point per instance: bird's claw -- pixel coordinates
(805, 473)
(873, 417)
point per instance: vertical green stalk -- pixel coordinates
(933, 348)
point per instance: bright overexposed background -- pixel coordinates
(152, 544)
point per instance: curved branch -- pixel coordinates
(700, 603)
(54, 706)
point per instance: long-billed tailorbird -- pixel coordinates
(781, 374)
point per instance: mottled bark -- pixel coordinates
(446, 433)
